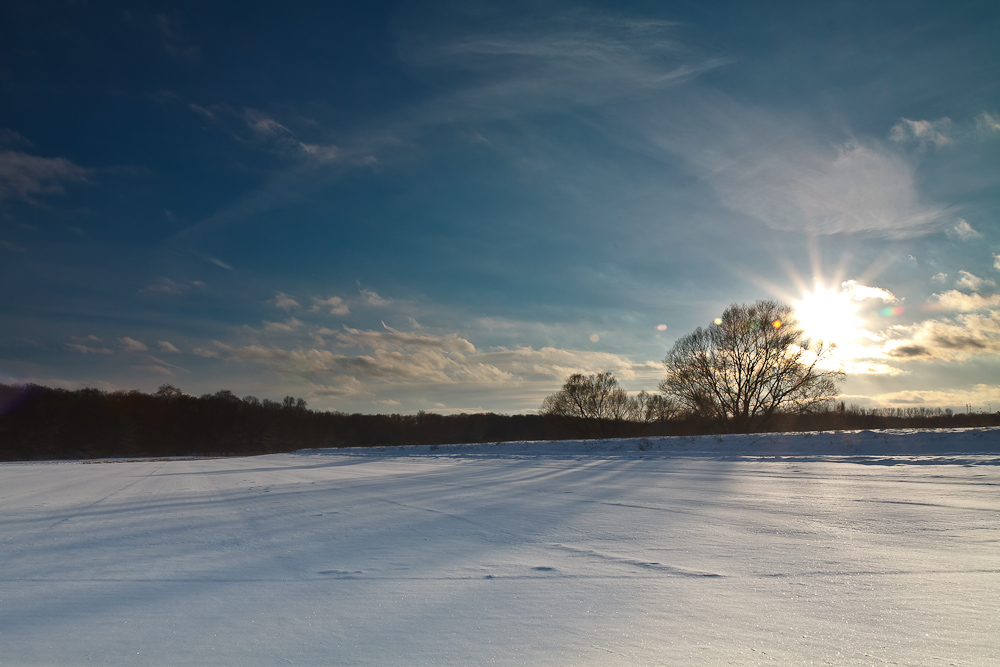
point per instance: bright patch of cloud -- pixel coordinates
(956, 301)
(803, 186)
(858, 292)
(922, 132)
(972, 282)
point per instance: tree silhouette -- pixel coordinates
(751, 364)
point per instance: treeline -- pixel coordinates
(39, 422)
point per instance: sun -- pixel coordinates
(828, 315)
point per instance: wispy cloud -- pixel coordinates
(372, 298)
(175, 42)
(165, 285)
(167, 346)
(132, 345)
(333, 305)
(923, 132)
(89, 349)
(792, 181)
(24, 176)
(964, 231)
(988, 124)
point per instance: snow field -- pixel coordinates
(644, 552)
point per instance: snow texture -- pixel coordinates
(847, 548)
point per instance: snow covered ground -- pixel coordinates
(864, 548)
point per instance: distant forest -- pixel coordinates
(39, 422)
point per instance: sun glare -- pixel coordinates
(828, 315)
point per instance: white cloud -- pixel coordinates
(283, 301)
(22, 175)
(956, 301)
(940, 277)
(972, 282)
(857, 292)
(132, 345)
(996, 262)
(964, 231)
(988, 124)
(373, 299)
(335, 304)
(923, 132)
(167, 346)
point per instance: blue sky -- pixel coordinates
(389, 207)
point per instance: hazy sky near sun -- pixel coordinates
(394, 206)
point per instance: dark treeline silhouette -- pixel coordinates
(39, 422)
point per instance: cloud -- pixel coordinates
(288, 325)
(6, 245)
(980, 395)
(216, 261)
(964, 231)
(283, 301)
(174, 41)
(375, 358)
(87, 349)
(801, 185)
(922, 132)
(972, 282)
(132, 345)
(22, 176)
(373, 299)
(167, 346)
(335, 305)
(988, 124)
(167, 286)
(939, 277)
(996, 262)
(264, 127)
(154, 368)
(956, 301)
(857, 292)
(946, 340)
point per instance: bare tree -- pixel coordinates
(602, 406)
(752, 363)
